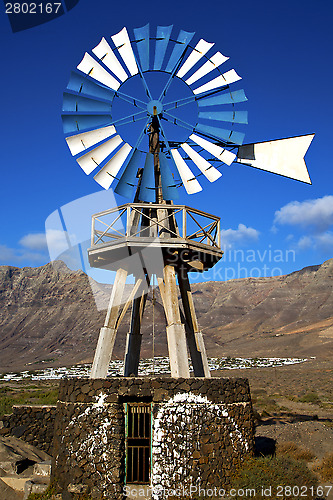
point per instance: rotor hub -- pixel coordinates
(154, 107)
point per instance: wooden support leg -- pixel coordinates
(175, 329)
(194, 336)
(108, 332)
(134, 337)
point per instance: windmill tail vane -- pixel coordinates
(99, 83)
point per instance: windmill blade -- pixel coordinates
(220, 81)
(221, 133)
(221, 154)
(147, 188)
(72, 102)
(190, 182)
(91, 160)
(211, 173)
(127, 180)
(90, 67)
(81, 83)
(108, 173)
(226, 98)
(162, 39)
(104, 52)
(169, 189)
(141, 35)
(282, 156)
(201, 48)
(225, 116)
(214, 62)
(183, 40)
(205, 100)
(74, 123)
(80, 142)
(124, 47)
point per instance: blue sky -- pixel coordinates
(282, 50)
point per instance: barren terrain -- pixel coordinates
(48, 316)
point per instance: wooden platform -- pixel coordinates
(183, 236)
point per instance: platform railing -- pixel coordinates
(142, 220)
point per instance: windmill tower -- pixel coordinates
(159, 238)
(89, 125)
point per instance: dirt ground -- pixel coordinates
(293, 402)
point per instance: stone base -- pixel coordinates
(201, 431)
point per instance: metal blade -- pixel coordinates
(190, 182)
(282, 156)
(220, 81)
(123, 44)
(128, 178)
(203, 165)
(142, 37)
(90, 67)
(75, 123)
(104, 52)
(81, 83)
(221, 133)
(147, 188)
(94, 158)
(107, 174)
(214, 62)
(225, 116)
(72, 102)
(220, 153)
(169, 190)
(163, 35)
(183, 40)
(80, 142)
(227, 98)
(201, 48)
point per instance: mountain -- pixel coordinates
(49, 317)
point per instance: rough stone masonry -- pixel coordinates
(201, 431)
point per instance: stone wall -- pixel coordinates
(201, 431)
(33, 424)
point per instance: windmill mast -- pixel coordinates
(154, 148)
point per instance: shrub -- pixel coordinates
(47, 495)
(264, 472)
(309, 397)
(325, 468)
(10, 397)
(296, 452)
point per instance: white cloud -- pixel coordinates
(11, 256)
(322, 242)
(56, 242)
(305, 242)
(6, 253)
(316, 214)
(241, 235)
(315, 217)
(35, 241)
(325, 242)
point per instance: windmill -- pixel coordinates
(148, 115)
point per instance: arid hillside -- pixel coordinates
(48, 316)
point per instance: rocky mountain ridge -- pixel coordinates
(48, 316)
